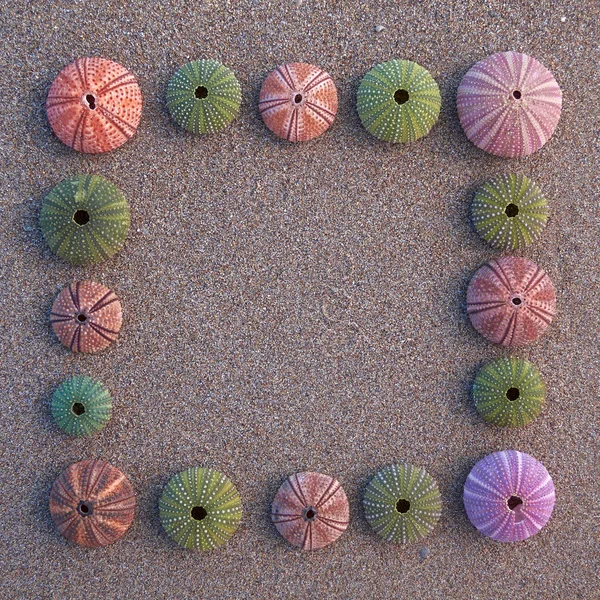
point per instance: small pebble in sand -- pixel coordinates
(424, 553)
(379, 28)
(563, 19)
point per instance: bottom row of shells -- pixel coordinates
(508, 496)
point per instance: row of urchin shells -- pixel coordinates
(508, 496)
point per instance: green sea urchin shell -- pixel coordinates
(509, 392)
(85, 219)
(81, 406)
(200, 508)
(398, 101)
(402, 503)
(203, 96)
(509, 211)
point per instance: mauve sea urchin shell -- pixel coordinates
(509, 104)
(86, 316)
(310, 510)
(511, 301)
(509, 496)
(298, 101)
(94, 105)
(92, 503)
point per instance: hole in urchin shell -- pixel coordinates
(81, 318)
(298, 98)
(200, 92)
(401, 96)
(309, 514)
(517, 95)
(512, 210)
(516, 301)
(81, 217)
(198, 513)
(512, 394)
(90, 101)
(403, 505)
(78, 408)
(513, 502)
(85, 508)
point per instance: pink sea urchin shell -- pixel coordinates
(94, 105)
(509, 496)
(298, 102)
(310, 510)
(511, 301)
(509, 104)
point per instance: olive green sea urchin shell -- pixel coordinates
(85, 219)
(509, 211)
(398, 101)
(81, 406)
(203, 96)
(402, 503)
(509, 392)
(200, 508)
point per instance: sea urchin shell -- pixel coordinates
(86, 316)
(398, 101)
(85, 219)
(92, 503)
(200, 508)
(509, 496)
(509, 211)
(310, 510)
(94, 105)
(402, 503)
(511, 301)
(298, 102)
(203, 96)
(81, 406)
(509, 392)
(509, 104)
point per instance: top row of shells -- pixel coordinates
(508, 104)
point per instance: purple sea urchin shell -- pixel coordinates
(509, 496)
(509, 104)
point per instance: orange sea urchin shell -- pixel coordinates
(86, 316)
(511, 301)
(298, 102)
(310, 510)
(94, 105)
(92, 503)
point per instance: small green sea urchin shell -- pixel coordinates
(509, 211)
(398, 101)
(203, 96)
(85, 219)
(509, 392)
(200, 508)
(81, 406)
(402, 503)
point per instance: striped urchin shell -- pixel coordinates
(298, 102)
(200, 508)
(203, 96)
(509, 211)
(509, 392)
(94, 105)
(310, 510)
(92, 503)
(85, 219)
(402, 503)
(509, 104)
(509, 496)
(86, 316)
(81, 406)
(398, 101)
(511, 301)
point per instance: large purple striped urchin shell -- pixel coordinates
(509, 104)
(509, 496)
(511, 301)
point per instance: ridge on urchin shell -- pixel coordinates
(509, 392)
(509, 496)
(509, 211)
(511, 301)
(402, 503)
(94, 105)
(203, 96)
(298, 101)
(200, 509)
(310, 510)
(509, 104)
(398, 101)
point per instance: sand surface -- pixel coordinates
(296, 307)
